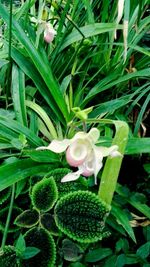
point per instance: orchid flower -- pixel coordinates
(49, 33)
(82, 152)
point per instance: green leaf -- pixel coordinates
(71, 251)
(42, 156)
(16, 171)
(18, 95)
(44, 194)
(42, 66)
(98, 254)
(20, 244)
(100, 87)
(42, 240)
(138, 146)
(147, 167)
(144, 251)
(81, 216)
(122, 218)
(121, 260)
(14, 129)
(29, 69)
(88, 31)
(27, 219)
(30, 252)
(3, 62)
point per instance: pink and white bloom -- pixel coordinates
(82, 152)
(49, 33)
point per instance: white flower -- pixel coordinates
(82, 152)
(49, 33)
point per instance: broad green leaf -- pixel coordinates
(97, 254)
(42, 155)
(20, 244)
(16, 171)
(30, 252)
(122, 218)
(144, 251)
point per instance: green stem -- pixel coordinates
(9, 55)
(8, 217)
(112, 167)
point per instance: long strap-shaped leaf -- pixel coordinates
(16, 171)
(42, 66)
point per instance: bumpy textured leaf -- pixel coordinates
(48, 222)
(8, 257)
(44, 194)
(41, 239)
(81, 216)
(65, 188)
(3, 217)
(27, 218)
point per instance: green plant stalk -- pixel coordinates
(112, 166)
(8, 217)
(9, 71)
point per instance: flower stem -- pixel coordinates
(8, 217)
(112, 167)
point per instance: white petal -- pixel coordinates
(115, 154)
(105, 151)
(97, 163)
(93, 135)
(71, 176)
(56, 146)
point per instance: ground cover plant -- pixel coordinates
(74, 133)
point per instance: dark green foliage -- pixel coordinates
(4, 195)
(81, 215)
(9, 258)
(27, 218)
(71, 251)
(44, 194)
(41, 239)
(65, 188)
(48, 222)
(3, 217)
